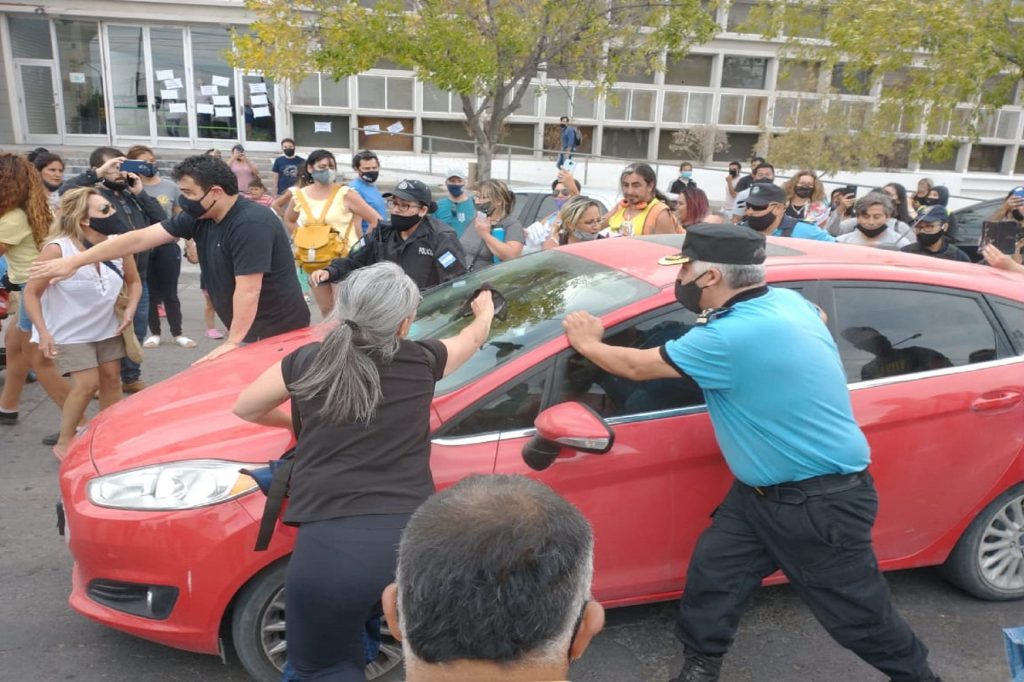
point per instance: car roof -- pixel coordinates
(805, 259)
(607, 197)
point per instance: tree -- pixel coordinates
(937, 67)
(486, 51)
(699, 142)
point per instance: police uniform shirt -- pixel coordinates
(246, 241)
(775, 388)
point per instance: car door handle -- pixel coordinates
(996, 400)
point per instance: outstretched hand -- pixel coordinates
(582, 328)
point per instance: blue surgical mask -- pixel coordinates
(456, 190)
(686, 175)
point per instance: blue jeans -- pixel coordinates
(132, 371)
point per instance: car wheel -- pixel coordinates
(258, 630)
(988, 560)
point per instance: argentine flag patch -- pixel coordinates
(446, 259)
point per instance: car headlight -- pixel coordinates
(172, 486)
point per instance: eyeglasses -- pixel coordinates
(105, 209)
(561, 192)
(401, 206)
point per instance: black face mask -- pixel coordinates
(52, 188)
(929, 239)
(688, 295)
(405, 222)
(804, 192)
(928, 201)
(115, 186)
(370, 176)
(194, 207)
(108, 225)
(871, 233)
(289, 151)
(485, 207)
(561, 125)
(760, 223)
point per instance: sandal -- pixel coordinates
(152, 341)
(184, 342)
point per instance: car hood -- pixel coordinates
(189, 416)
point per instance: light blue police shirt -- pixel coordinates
(775, 389)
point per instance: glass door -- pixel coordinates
(129, 87)
(259, 111)
(170, 78)
(216, 104)
(40, 105)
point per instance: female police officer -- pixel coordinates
(803, 501)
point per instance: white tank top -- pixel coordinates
(80, 309)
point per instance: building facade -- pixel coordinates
(153, 72)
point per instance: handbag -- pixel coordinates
(132, 347)
(273, 479)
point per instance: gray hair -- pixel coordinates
(496, 568)
(371, 305)
(736, 276)
(873, 198)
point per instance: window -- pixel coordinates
(848, 82)
(515, 406)
(85, 111)
(30, 37)
(578, 379)
(627, 143)
(747, 73)
(1011, 314)
(691, 70)
(687, 107)
(741, 146)
(630, 105)
(385, 92)
(307, 92)
(886, 332)
(799, 76)
(739, 11)
(742, 110)
(986, 158)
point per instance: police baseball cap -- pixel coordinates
(412, 190)
(933, 214)
(717, 243)
(764, 193)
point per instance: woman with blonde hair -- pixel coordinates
(74, 319)
(25, 218)
(806, 197)
(580, 220)
(496, 235)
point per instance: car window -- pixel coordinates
(1011, 314)
(969, 220)
(540, 291)
(515, 406)
(521, 211)
(578, 379)
(885, 332)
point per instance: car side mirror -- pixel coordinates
(567, 426)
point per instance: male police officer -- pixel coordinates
(426, 248)
(803, 501)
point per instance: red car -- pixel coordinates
(161, 523)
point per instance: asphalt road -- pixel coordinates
(44, 640)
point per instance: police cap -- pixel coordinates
(716, 243)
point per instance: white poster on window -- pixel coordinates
(222, 101)
(261, 112)
(321, 126)
(257, 87)
(396, 128)
(208, 90)
(164, 74)
(221, 81)
(260, 101)
(372, 129)
(178, 107)
(172, 83)
(223, 112)
(168, 94)
(204, 108)
(76, 77)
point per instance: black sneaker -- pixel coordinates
(8, 417)
(698, 668)
(51, 440)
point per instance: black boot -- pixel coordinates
(698, 668)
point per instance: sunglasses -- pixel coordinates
(561, 192)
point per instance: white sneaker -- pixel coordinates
(151, 341)
(184, 342)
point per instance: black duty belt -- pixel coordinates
(796, 492)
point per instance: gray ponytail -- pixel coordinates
(371, 305)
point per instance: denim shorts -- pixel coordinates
(24, 324)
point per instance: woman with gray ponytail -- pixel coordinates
(362, 458)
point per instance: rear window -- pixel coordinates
(540, 289)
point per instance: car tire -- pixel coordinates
(988, 560)
(258, 630)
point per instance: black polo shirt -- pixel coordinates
(382, 467)
(248, 240)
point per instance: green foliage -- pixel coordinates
(936, 65)
(485, 50)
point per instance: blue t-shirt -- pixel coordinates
(287, 171)
(456, 215)
(775, 389)
(372, 196)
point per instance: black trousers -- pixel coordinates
(336, 575)
(822, 542)
(162, 277)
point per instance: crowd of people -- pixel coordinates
(94, 262)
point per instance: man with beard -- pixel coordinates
(932, 231)
(367, 168)
(873, 211)
(643, 209)
(137, 209)
(765, 212)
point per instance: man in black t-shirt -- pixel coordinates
(747, 180)
(932, 232)
(243, 254)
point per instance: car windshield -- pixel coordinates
(540, 289)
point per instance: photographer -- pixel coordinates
(137, 210)
(1011, 210)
